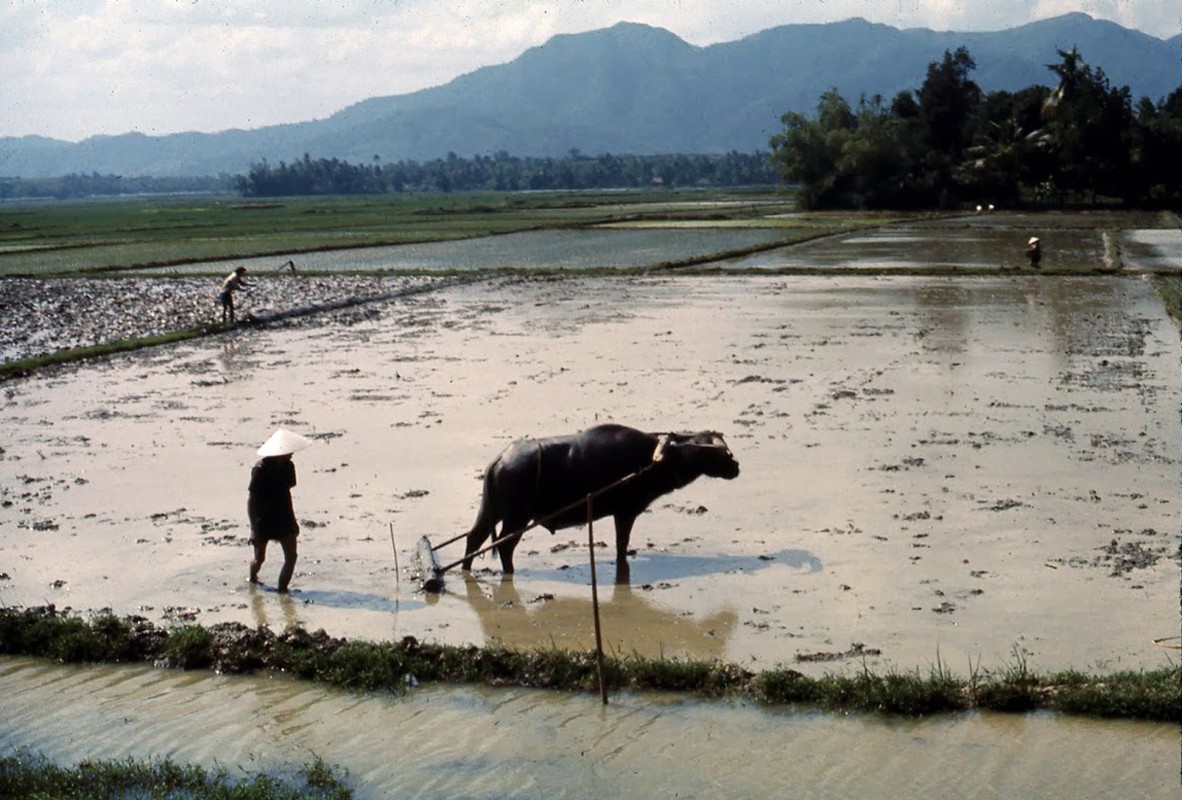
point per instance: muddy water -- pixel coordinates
(442, 743)
(970, 470)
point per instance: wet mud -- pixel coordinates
(42, 316)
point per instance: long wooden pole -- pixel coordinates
(397, 571)
(595, 603)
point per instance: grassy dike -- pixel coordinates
(26, 366)
(45, 632)
(25, 776)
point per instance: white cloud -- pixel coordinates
(73, 68)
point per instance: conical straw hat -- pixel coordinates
(283, 442)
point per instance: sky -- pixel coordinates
(76, 68)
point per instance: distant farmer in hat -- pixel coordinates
(269, 503)
(1034, 251)
(233, 282)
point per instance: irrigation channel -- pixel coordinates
(474, 742)
(954, 470)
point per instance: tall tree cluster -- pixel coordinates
(503, 172)
(949, 143)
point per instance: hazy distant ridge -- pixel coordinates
(627, 89)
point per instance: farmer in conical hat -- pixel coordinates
(269, 503)
(1034, 251)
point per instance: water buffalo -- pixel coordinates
(541, 481)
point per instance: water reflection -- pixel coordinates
(587, 248)
(263, 604)
(227, 357)
(910, 247)
(632, 621)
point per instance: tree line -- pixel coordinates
(949, 143)
(504, 172)
(77, 185)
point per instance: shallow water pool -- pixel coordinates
(550, 249)
(478, 742)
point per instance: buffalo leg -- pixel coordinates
(623, 573)
(476, 539)
(486, 519)
(505, 549)
(623, 534)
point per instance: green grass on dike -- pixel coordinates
(26, 776)
(394, 666)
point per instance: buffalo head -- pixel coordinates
(705, 452)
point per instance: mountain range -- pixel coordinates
(630, 88)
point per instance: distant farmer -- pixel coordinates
(233, 282)
(1034, 251)
(269, 503)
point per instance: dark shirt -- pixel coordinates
(269, 501)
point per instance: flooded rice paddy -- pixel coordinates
(969, 248)
(475, 742)
(582, 249)
(957, 470)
